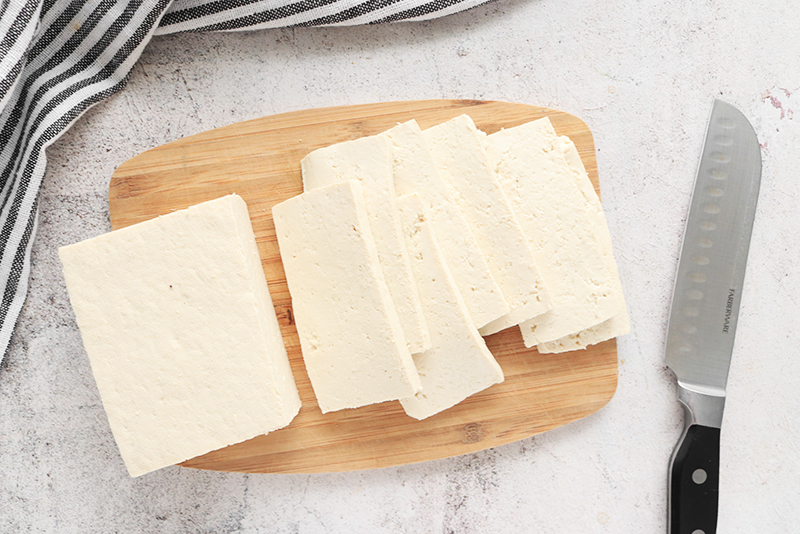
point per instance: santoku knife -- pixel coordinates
(705, 308)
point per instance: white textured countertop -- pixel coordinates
(642, 75)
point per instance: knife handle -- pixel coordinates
(694, 482)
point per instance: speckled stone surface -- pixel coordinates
(642, 75)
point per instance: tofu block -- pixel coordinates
(351, 337)
(460, 156)
(458, 364)
(556, 219)
(369, 160)
(415, 172)
(619, 323)
(182, 337)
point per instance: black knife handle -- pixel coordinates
(694, 488)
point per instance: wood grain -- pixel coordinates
(260, 160)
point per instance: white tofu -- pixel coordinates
(415, 172)
(458, 151)
(619, 324)
(556, 219)
(458, 364)
(369, 160)
(352, 341)
(182, 337)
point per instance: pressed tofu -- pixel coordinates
(460, 156)
(350, 335)
(458, 364)
(182, 337)
(415, 172)
(619, 324)
(369, 160)
(556, 219)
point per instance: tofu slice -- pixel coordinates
(460, 156)
(619, 323)
(458, 364)
(369, 160)
(182, 337)
(415, 172)
(351, 337)
(555, 216)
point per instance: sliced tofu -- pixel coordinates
(415, 172)
(458, 364)
(180, 330)
(619, 324)
(460, 156)
(556, 218)
(352, 341)
(369, 160)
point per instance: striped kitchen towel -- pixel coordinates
(59, 57)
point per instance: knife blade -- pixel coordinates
(705, 309)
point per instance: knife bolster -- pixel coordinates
(703, 405)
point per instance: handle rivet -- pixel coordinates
(699, 476)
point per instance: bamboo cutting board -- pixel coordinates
(260, 161)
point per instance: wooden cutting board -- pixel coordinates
(260, 160)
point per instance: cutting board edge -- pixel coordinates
(591, 410)
(120, 173)
(316, 471)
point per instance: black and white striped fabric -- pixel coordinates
(220, 15)
(59, 57)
